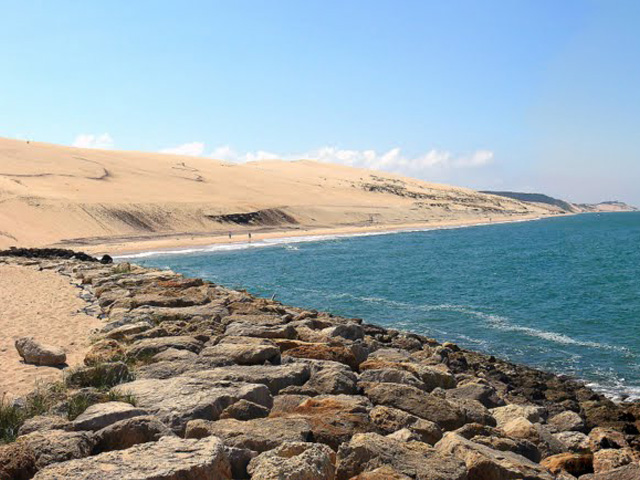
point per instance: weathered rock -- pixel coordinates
(101, 415)
(333, 418)
(391, 375)
(349, 331)
(535, 433)
(129, 432)
(173, 354)
(244, 410)
(294, 461)
(274, 377)
(574, 463)
(628, 472)
(239, 459)
(485, 463)
(36, 353)
(121, 333)
(104, 351)
(601, 437)
(477, 391)
(258, 435)
(253, 319)
(496, 439)
(611, 458)
(149, 347)
(326, 377)
(567, 421)
(42, 423)
(404, 435)
(17, 461)
(100, 375)
(177, 400)
(321, 351)
(382, 473)
(474, 411)
(573, 441)
(389, 420)
(243, 354)
(369, 451)
(417, 402)
(55, 446)
(242, 329)
(511, 412)
(170, 458)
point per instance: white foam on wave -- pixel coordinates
(275, 242)
(502, 323)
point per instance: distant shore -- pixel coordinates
(185, 242)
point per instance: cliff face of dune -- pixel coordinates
(51, 195)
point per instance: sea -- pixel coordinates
(561, 294)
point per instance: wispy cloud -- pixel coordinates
(194, 149)
(89, 140)
(392, 160)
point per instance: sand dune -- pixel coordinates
(100, 200)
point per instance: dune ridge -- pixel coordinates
(101, 200)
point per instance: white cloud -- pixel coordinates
(392, 160)
(194, 149)
(89, 140)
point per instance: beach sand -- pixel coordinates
(42, 304)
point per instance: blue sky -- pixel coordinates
(513, 94)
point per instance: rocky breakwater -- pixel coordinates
(191, 380)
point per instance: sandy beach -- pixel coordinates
(46, 306)
(186, 242)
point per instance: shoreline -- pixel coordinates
(327, 382)
(177, 244)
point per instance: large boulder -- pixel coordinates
(170, 458)
(294, 461)
(148, 347)
(483, 462)
(333, 419)
(512, 411)
(17, 461)
(243, 329)
(536, 433)
(258, 435)
(41, 423)
(370, 451)
(36, 353)
(573, 441)
(55, 446)
(243, 354)
(101, 415)
(611, 458)
(576, 464)
(567, 421)
(391, 375)
(417, 402)
(389, 420)
(129, 432)
(177, 400)
(326, 377)
(477, 391)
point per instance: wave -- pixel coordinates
(497, 322)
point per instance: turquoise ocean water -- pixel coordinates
(561, 294)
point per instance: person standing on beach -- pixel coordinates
(249, 236)
(229, 235)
